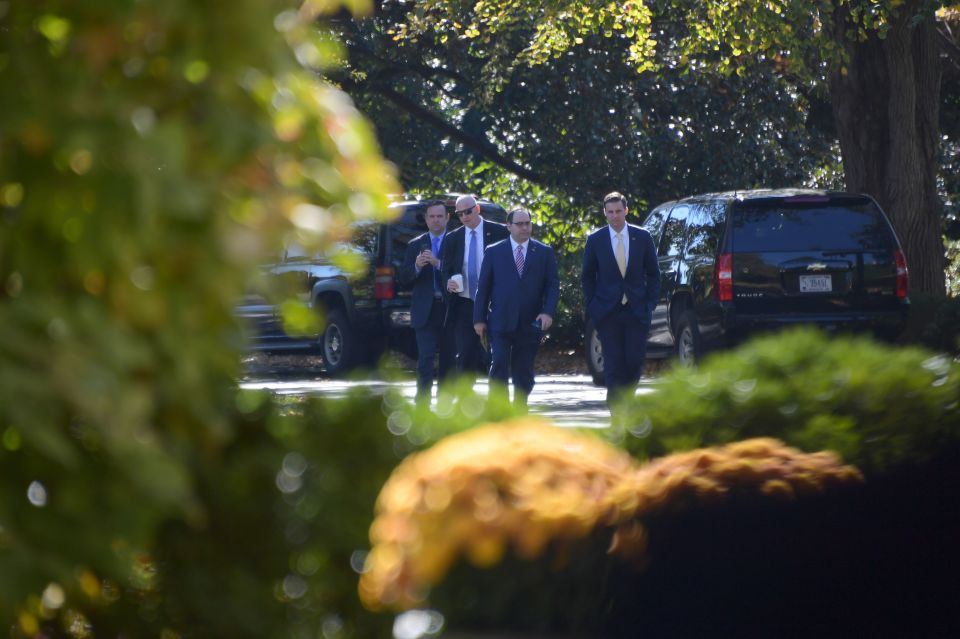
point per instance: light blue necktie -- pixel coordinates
(436, 272)
(472, 266)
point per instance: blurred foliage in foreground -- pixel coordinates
(525, 486)
(876, 406)
(749, 539)
(528, 528)
(525, 527)
(150, 154)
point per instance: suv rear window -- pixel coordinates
(400, 235)
(783, 226)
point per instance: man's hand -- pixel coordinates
(545, 321)
(426, 257)
(480, 328)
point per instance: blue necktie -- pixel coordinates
(472, 266)
(436, 272)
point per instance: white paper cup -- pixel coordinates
(458, 282)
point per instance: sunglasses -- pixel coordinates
(464, 212)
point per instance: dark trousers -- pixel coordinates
(623, 338)
(432, 340)
(513, 354)
(470, 355)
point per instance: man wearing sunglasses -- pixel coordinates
(460, 268)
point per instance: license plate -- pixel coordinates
(815, 284)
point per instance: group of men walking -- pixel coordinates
(488, 286)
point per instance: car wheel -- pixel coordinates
(594, 354)
(689, 344)
(339, 343)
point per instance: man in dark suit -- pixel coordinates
(621, 283)
(516, 301)
(421, 268)
(463, 255)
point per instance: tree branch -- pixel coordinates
(950, 40)
(478, 145)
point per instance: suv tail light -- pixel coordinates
(723, 277)
(903, 274)
(383, 283)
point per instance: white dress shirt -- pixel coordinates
(466, 255)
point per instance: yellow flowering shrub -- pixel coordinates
(764, 467)
(518, 484)
(523, 484)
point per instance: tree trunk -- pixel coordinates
(886, 105)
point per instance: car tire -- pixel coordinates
(689, 344)
(594, 353)
(339, 343)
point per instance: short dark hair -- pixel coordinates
(433, 203)
(615, 197)
(519, 209)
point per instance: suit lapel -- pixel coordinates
(530, 260)
(457, 237)
(605, 249)
(633, 258)
(487, 235)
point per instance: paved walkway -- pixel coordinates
(567, 400)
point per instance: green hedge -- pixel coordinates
(873, 404)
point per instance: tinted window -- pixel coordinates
(365, 238)
(806, 227)
(360, 250)
(704, 226)
(295, 252)
(400, 236)
(674, 232)
(494, 212)
(654, 223)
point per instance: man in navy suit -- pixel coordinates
(421, 268)
(621, 283)
(463, 254)
(516, 301)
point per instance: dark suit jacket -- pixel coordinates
(604, 287)
(453, 249)
(507, 302)
(422, 299)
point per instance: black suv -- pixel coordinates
(732, 264)
(362, 315)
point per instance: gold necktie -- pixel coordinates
(621, 261)
(621, 256)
